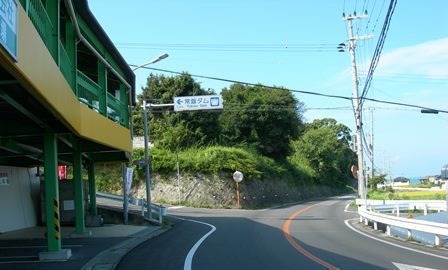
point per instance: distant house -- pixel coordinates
(400, 181)
(433, 178)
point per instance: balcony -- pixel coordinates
(85, 86)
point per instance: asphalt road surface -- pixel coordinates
(311, 235)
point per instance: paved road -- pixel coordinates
(312, 235)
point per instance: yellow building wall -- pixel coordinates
(39, 74)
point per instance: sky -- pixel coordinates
(292, 43)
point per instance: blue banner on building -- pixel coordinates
(8, 26)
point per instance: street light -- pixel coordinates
(145, 127)
(155, 60)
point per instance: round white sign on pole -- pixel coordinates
(238, 176)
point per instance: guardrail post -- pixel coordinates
(375, 226)
(388, 230)
(409, 232)
(160, 214)
(366, 221)
(425, 209)
(437, 240)
(360, 219)
(398, 210)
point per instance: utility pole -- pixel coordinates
(147, 164)
(356, 102)
(372, 170)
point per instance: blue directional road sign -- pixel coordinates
(195, 103)
(8, 26)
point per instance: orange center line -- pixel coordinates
(297, 246)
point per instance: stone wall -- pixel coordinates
(220, 191)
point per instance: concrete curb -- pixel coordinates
(110, 258)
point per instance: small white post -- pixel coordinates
(425, 209)
(360, 219)
(375, 226)
(388, 230)
(398, 210)
(366, 221)
(437, 240)
(409, 234)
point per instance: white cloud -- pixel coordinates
(428, 59)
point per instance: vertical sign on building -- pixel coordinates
(8, 26)
(62, 172)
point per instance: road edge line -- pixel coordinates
(189, 259)
(390, 243)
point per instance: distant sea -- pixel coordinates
(414, 180)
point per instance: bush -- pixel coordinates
(215, 159)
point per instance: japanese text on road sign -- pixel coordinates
(193, 103)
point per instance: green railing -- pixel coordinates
(88, 91)
(38, 15)
(65, 65)
(114, 108)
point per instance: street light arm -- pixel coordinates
(155, 60)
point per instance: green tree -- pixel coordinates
(175, 130)
(322, 148)
(262, 118)
(342, 132)
(377, 180)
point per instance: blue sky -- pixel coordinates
(276, 43)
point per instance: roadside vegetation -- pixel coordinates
(260, 132)
(406, 195)
(388, 193)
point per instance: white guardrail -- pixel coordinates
(157, 209)
(372, 211)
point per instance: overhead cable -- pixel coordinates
(293, 90)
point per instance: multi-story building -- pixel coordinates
(65, 99)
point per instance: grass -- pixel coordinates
(216, 159)
(407, 195)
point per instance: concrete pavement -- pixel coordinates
(99, 248)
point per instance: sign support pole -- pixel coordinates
(237, 195)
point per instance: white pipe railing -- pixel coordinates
(370, 214)
(160, 210)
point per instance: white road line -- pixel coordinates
(403, 266)
(176, 207)
(346, 209)
(390, 243)
(189, 258)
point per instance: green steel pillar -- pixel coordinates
(52, 193)
(92, 186)
(52, 8)
(71, 51)
(78, 187)
(102, 82)
(124, 101)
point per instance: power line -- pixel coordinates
(313, 47)
(378, 50)
(293, 90)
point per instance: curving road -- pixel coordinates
(311, 235)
